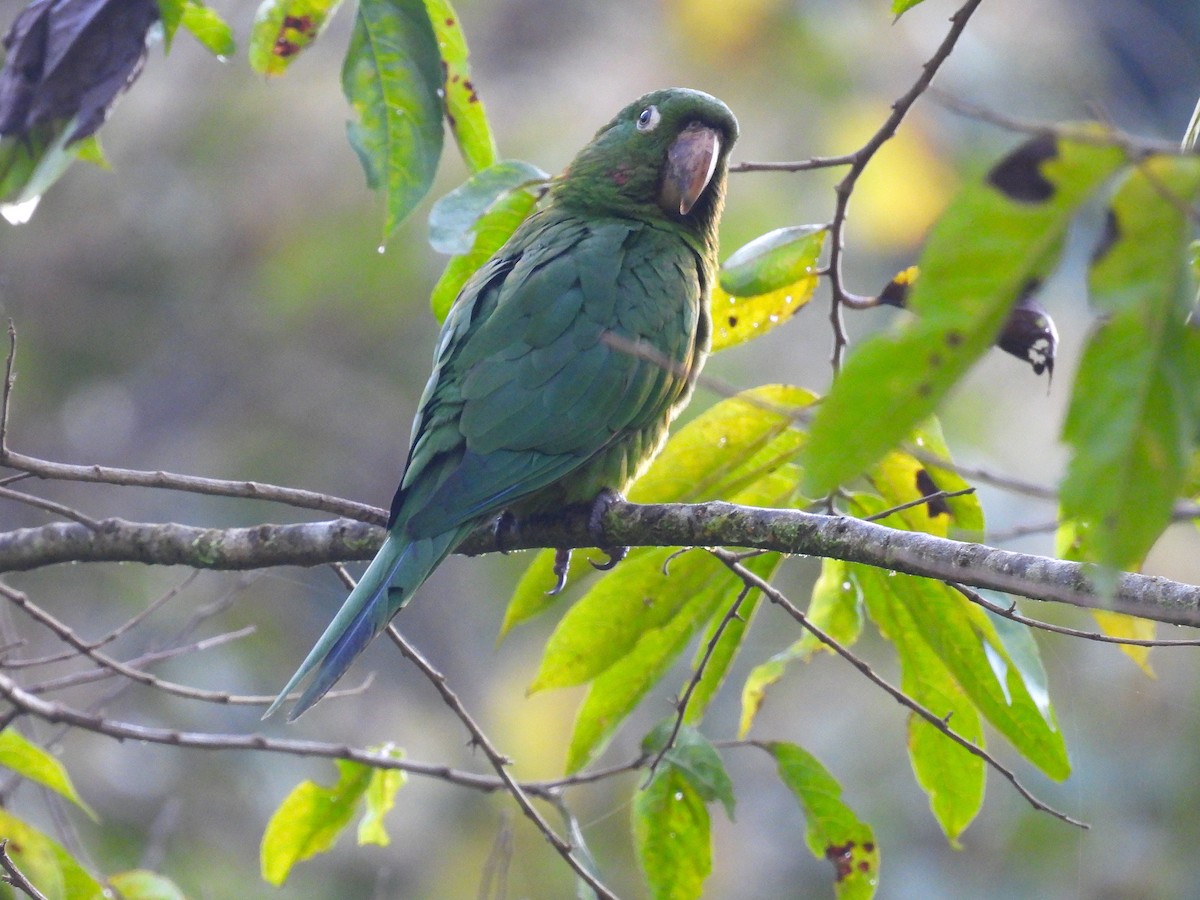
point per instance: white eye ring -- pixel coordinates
(648, 119)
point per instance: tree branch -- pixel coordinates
(714, 524)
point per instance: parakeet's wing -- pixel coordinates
(529, 385)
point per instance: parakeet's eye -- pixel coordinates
(648, 119)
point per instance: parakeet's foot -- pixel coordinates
(604, 501)
(562, 563)
(503, 526)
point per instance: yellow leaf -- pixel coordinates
(1120, 625)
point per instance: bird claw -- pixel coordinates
(562, 563)
(614, 554)
(605, 500)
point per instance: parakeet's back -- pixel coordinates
(566, 356)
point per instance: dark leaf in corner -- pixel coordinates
(71, 59)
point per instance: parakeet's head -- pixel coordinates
(663, 156)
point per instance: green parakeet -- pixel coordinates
(564, 359)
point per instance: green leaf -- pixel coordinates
(171, 13)
(283, 29)
(47, 865)
(772, 261)
(727, 645)
(671, 835)
(207, 27)
(965, 639)
(996, 237)
(140, 884)
(491, 231)
(464, 110)
(834, 832)
(765, 283)
(952, 777)
(381, 797)
(310, 819)
(1133, 417)
(634, 598)
(392, 76)
(835, 608)
(453, 219)
(899, 7)
(614, 693)
(717, 453)
(30, 761)
(696, 758)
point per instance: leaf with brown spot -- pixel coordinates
(283, 29)
(1019, 175)
(834, 831)
(981, 253)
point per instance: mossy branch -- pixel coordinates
(714, 524)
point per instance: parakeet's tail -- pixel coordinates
(400, 567)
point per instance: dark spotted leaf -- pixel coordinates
(283, 29)
(995, 236)
(464, 110)
(1029, 333)
(392, 76)
(834, 831)
(1133, 419)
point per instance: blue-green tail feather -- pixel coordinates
(400, 567)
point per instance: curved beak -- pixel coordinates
(691, 161)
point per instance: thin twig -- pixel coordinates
(1010, 612)
(681, 704)
(845, 188)
(499, 763)
(935, 495)
(14, 876)
(49, 506)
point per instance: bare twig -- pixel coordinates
(681, 704)
(845, 188)
(14, 876)
(1010, 612)
(499, 763)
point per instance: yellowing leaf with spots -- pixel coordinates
(765, 283)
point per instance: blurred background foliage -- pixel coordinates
(216, 304)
